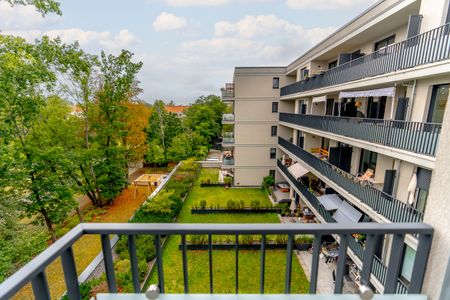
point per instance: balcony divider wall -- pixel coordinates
(382, 203)
(429, 47)
(416, 137)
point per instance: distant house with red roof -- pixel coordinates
(176, 109)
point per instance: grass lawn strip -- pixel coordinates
(224, 261)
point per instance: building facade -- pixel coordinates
(358, 128)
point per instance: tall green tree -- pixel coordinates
(42, 6)
(25, 79)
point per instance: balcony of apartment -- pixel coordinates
(360, 190)
(35, 271)
(228, 118)
(228, 92)
(322, 206)
(227, 138)
(227, 159)
(414, 137)
(426, 48)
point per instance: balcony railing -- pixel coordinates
(228, 162)
(382, 203)
(227, 140)
(34, 271)
(416, 137)
(379, 270)
(428, 47)
(228, 91)
(228, 117)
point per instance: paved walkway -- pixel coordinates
(324, 278)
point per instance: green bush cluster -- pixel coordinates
(255, 204)
(163, 208)
(232, 204)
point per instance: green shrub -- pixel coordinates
(267, 182)
(281, 239)
(199, 239)
(241, 204)
(203, 204)
(246, 239)
(189, 165)
(228, 180)
(304, 239)
(231, 204)
(255, 204)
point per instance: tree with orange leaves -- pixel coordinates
(136, 122)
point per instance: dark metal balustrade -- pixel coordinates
(379, 270)
(384, 204)
(411, 136)
(428, 47)
(34, 271)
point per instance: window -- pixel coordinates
(439, 98)
(408, 262)
(272, 173)
(332, 64)
(384, 43)
(304, 73)
(273, 153)
(273, 131)
(300, 139)
(276, 83)
(368, 161)
(274, 107)
(423, 186)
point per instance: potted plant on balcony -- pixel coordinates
(227, 180)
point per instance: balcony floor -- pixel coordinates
(254, 297)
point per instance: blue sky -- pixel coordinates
(189, 47)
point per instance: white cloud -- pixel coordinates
(326, 4)
(202, 66)
(197, 2)
(167, 21)
(22, 17)
(92, 40)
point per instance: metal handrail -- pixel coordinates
(417, 137)
(34, 271)
(382, 203)
(428, 47)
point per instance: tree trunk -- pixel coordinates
(80, 215)
(49, 224)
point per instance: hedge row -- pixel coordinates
(163, 208)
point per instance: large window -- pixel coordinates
(423, 186)
(368, 161)
(273, 130)
(384, 43)
(274, 107)
(332, 64)
(304, 73)
(272, 173)
(273, 153)
(276, 83)
(439, 98)
(408, 263)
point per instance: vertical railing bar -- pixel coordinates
(420, 263)
(70, 274)
(40, 287)
(185, 264)
(290, 246)
(109, 266)
(211, 285)
(395, 262)
(341, 263)
(134, 262)
(159, 263)
(236, 250)
(315, 264)
(368, 258)
(262, 264)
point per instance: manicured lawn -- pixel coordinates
(209, 173)
(224, 261)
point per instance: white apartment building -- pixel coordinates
(358, 127)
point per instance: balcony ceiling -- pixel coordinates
(378, 31)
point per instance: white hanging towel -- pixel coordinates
(412, 189)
